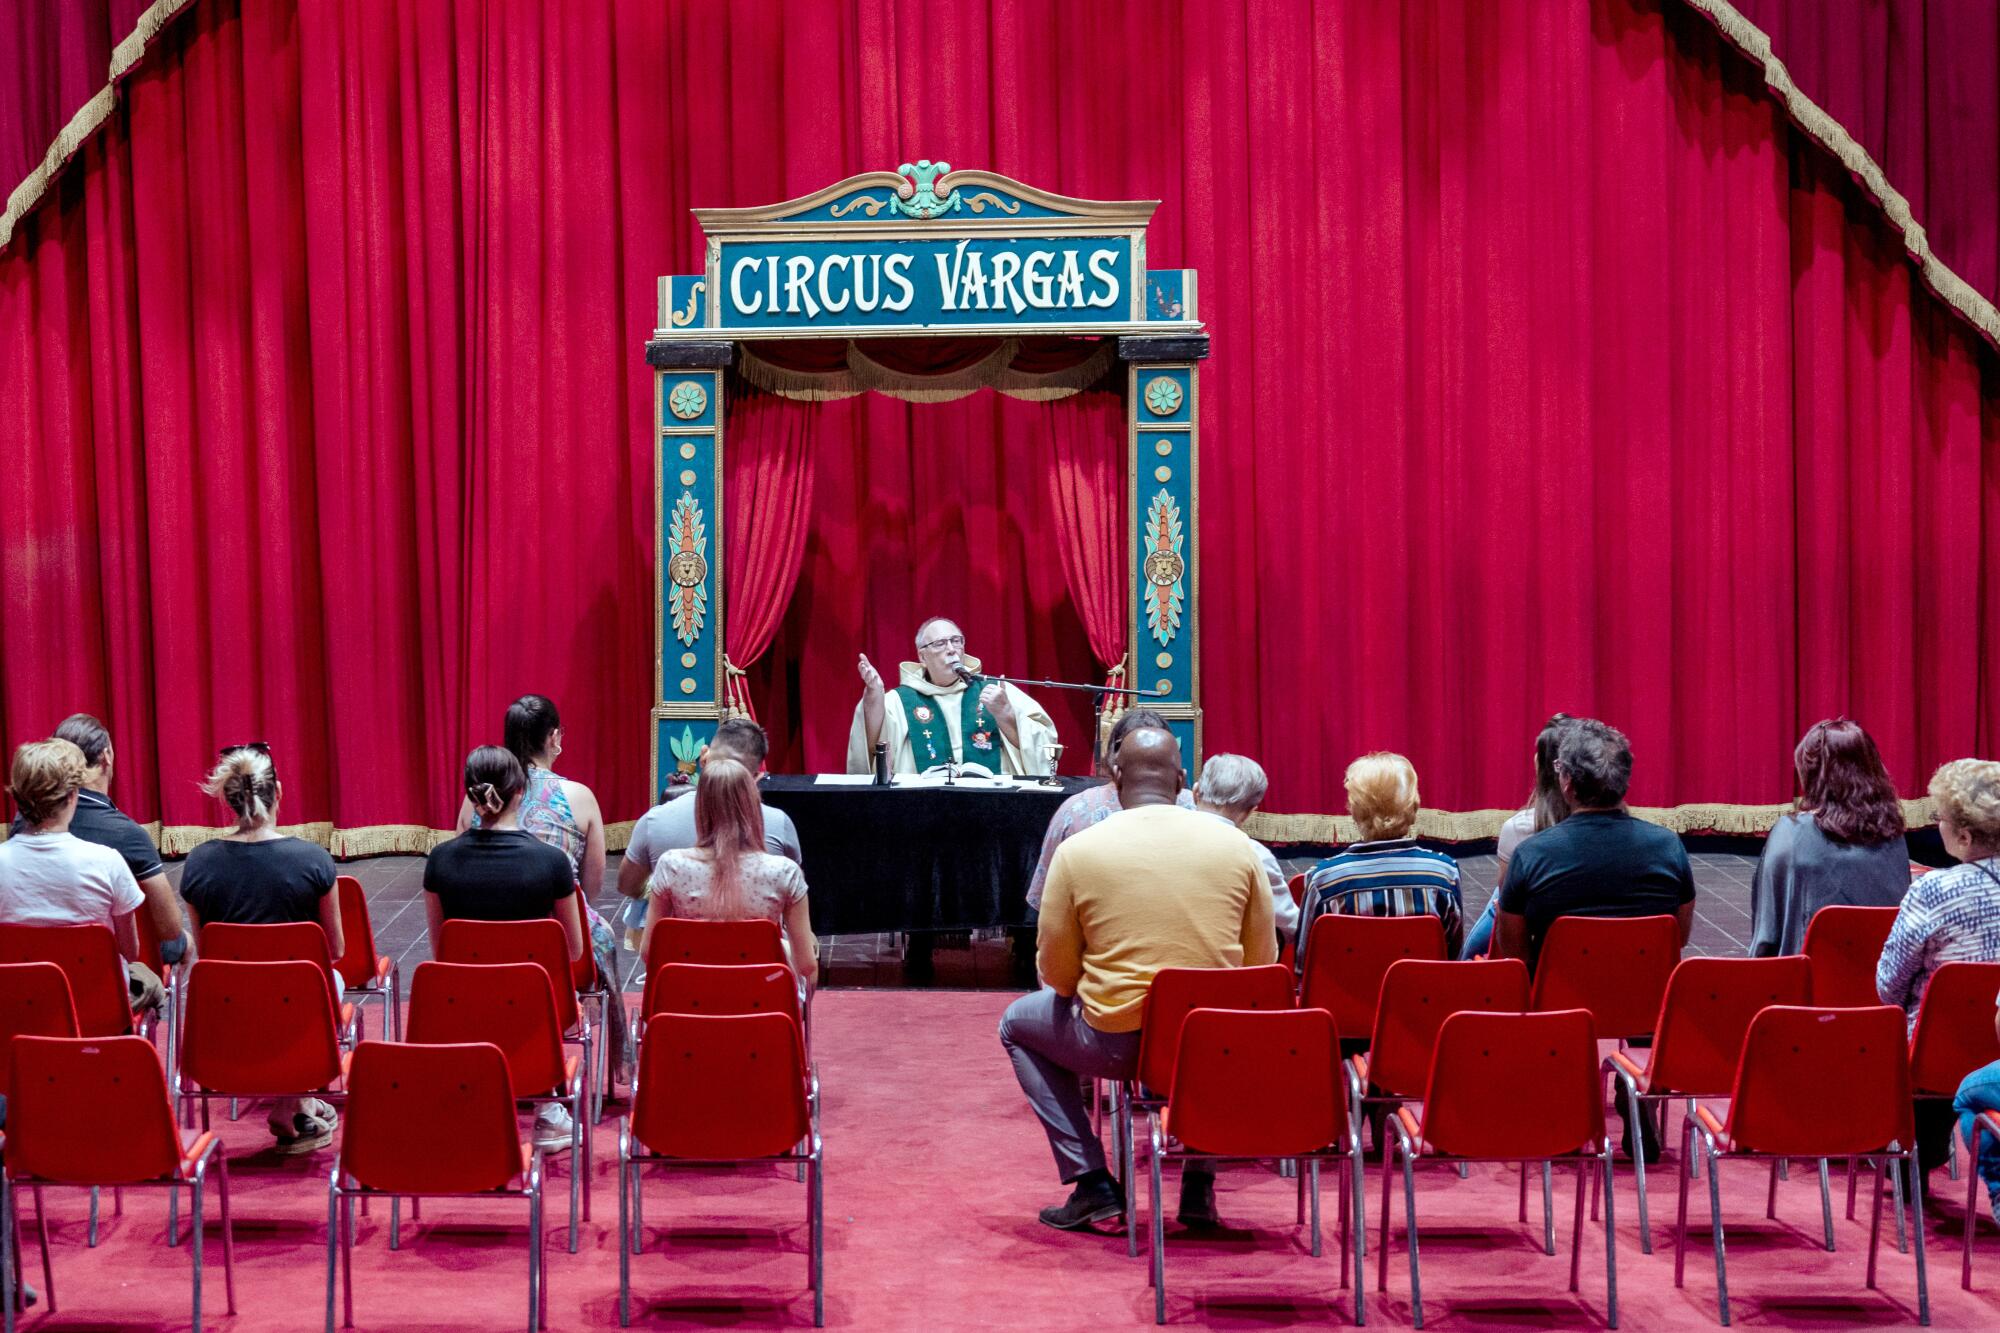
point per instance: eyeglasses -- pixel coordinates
(261, 747)
(955, 641)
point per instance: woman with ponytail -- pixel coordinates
(255, 875)
(497, 871)
(727, 875)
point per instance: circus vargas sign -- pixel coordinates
(924, 249)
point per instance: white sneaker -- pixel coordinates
(553, 1128)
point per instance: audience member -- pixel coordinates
(51, 877)
(1230, 788)
(671, 824)
(254, 875)
(1600, 861)
(1949, 916)
(1092, 804)
(565, 815)
(1149, 887)
(1545, 809)
(728, 875)
(98, 820)
(1386, 873)
(497, 871)
(1843, 844)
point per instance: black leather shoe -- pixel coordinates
(1087, 1204)
(1197, 1208)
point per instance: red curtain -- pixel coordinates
(1086, 465)
(769, 453)
(1551, 370)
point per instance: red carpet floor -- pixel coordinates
(935, 1171)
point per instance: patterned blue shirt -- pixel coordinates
(1392, 877)
(1948, 916)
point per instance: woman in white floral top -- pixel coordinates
(727, 875)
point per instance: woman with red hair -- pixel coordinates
(1842, 843)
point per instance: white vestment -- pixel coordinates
(1030, 758)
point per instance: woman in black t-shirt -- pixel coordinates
(498, 872)
(255, 875)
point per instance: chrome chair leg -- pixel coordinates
(1826, 1203)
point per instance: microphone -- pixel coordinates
(958, 669)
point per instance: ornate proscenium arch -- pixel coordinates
(922, 252)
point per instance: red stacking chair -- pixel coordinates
(282, 942)
(258, 1030)
(541, 941)
(1954, 1033)
(1615, 967)
(1845, 944)
(367, 973)
(1986, 1123)
(436, 1120)
(35, 1002)
(1508, 1088)
(1296, 886)
(1175, 993)
(1812, 1082)
(1259, 1084)
(94, 1111)
(1347, 957)
(88, 956)
(1698, 1037)
(678, 939)
(713, 1090)
(509, 1005)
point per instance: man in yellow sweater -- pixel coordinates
(1152, 886)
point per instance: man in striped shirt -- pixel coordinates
(1385, 874)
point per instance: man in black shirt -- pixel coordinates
(98, 820)
(1600, 861)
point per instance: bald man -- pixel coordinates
(1151, 886)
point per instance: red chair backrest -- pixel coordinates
(1418, 995)
(1616, 967)
(259, 1029)
(1698, 1036)
(1177, 992)
(34, 1002)
(430, 1119)
(509, 1005)
(1296, 886)
(1347, 957)
(1954, 1033)
(1514, 1086)
(1258, 1084)
(540, 941)
(1823, 1082)
(356, 963)
(273, 942)
(1845, 944)
(149, 942)
(89, 1111)
(88, 956)
(679, 939)
(722, 1087)
(702, 988)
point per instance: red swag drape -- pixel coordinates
(1086, 468)
(768, 487)
(1551, 369)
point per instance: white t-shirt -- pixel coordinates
(58, 879)
(1520, 826)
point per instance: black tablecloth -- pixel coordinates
(917, 858)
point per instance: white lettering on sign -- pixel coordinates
(1007, 281)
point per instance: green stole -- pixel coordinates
(930, 739)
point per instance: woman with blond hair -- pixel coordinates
(727, 875)
(1385, 873)
(1949, 916)
(255, 875)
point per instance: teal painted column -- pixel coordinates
(688, 513)
(1165, 496)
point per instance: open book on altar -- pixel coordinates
(954, 774)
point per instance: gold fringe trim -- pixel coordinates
(1475, 825)
(89, 117)
(1831, 135)
(862, 374)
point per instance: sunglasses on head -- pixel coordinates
(261, 747)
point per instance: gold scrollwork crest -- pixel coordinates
(866, 203)
(682, 318)
(978, 202)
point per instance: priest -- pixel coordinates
(936, 715)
